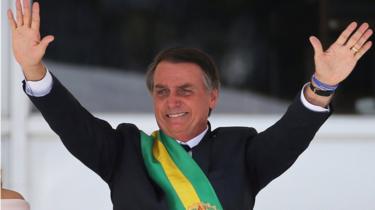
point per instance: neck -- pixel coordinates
(187, 138)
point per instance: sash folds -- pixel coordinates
(174, 170)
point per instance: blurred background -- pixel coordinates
(261, 46)
(102, 49)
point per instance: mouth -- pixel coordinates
(175, 115)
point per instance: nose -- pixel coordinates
(173, 101)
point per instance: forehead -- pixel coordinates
(177, 74)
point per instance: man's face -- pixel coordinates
(181, 99)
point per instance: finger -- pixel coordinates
(19, 14)
(346, 33)
(317, 45)
(46, 40)
(35, 20)
(26, 12)
(357, 35)
(363, 50)
(11, 20)
(363, 39)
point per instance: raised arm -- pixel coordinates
(338, 61)
(93, 141)
(273, 151)
(28, 46)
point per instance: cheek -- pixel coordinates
(157, 106)
(200, 106)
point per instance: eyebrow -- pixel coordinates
(160, 86)
(187, 85)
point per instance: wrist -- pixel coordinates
(321, 85)
(315, 99)
(324, 80)
(318, 91)
(34, 72)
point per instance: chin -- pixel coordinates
(176, 132)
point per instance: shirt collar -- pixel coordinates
(194, 141)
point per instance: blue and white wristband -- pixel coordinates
(322, 86)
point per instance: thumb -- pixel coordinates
(46, 40)
(317, 45)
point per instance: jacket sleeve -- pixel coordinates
(273, 151)
(93, 141)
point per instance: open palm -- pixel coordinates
(338, 61)
(28, 47)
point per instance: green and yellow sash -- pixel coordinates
(175, 171)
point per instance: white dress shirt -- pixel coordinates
(194, 141)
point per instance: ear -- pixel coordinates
(214, 97)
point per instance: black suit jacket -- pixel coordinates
(238, 161)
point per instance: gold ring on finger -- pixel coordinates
(354, 49)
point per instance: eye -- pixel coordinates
(185, 92)
(162, 92)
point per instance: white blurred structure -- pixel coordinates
(336, 172)
(14, 110)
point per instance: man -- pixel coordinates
(223, 168)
